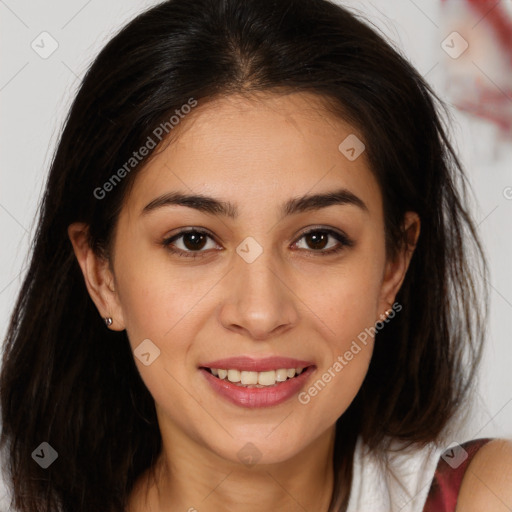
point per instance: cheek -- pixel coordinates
(346, 306)
(346, 300)
(158, 298)
(346, 354)
(159, 306)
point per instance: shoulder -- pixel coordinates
(487, 482)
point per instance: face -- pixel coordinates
(267, 279)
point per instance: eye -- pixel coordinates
(192, 241)
(317, 239)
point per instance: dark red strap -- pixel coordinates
(452, 465)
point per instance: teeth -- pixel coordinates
(249, 377)
(233, 376)
(258, 379)
(267, 378)
(282, 374)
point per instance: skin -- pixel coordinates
(487, 483)
(291, 301)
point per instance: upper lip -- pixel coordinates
(245, 363)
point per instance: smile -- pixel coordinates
(248, 382)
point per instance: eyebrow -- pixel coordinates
(293, 206)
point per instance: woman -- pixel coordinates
(250, 286)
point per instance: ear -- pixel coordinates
(98, 276)
(396, 269)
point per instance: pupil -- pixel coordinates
(194, 240)
(317, 240)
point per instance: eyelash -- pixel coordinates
(342, 238)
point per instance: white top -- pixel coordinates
(401, 488)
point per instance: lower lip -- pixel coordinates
(258, 397)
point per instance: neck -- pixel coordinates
(215, 484)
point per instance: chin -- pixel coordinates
(260, 448)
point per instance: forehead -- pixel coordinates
(264, 148)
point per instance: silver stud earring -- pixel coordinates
(108, 321)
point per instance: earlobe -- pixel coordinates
(98, 277)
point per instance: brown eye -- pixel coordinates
(192, 241)
(317, 240)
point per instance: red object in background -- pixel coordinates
(498, 18)
(480, 83)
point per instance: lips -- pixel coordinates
(257, 395)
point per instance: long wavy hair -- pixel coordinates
(69, 381)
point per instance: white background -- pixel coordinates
(36, 93)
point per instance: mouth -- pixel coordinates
(251, 383)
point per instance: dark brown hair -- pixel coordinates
(71, 382)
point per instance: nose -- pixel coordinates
(259, 303)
